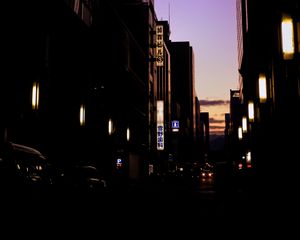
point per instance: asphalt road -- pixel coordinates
(166, 208)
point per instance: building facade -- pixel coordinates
(183, 97)
(269, 81)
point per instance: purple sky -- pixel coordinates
(210, 27)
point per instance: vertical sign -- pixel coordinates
(160, 125)
(159, 45)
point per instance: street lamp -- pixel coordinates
(128, 134)
(287, 37)
(251, 111)
(35, 95)
(244, 124)
(110, 126)
(82, 115)
(262, 86)
(240, 133)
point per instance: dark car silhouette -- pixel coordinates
(24, 168)
(84, 179)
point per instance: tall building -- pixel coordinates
(234, 147)
(183, 96)
(269, 48)
(78, 82)
(48, 72)
(163, 129)
(198, 141)
(89, 80)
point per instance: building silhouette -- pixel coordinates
(183, 96)
(205, 137)
(83, 84)
(268, 57)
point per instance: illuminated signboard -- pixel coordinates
(175, 126)
(119, 163)
(159, 45)
(160, 137)
(160, 125)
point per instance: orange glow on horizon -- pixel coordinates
(217, 117)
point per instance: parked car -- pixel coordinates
(84, 179)
(24, 168)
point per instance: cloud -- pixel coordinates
(216, 109)
(213, 120)
(213, 102)
(213, 127)
(216, 133)
(216, 130)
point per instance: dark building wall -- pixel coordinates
(262, 53)
(183, 94)
(127, 88)
(100, 65)
(182, 82)
(205, 136)
(50, 47)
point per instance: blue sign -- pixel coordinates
(175, 124)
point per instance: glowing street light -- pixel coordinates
(262, 86)
(35, 95)
(287, 37)
(251, 111)
(110, 126)
(244, 124)
(240, 133)
(82, 115)
(128, 134)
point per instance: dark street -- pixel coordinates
(175, 208)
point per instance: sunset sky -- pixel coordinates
(210, 27)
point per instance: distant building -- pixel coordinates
(205, 142)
